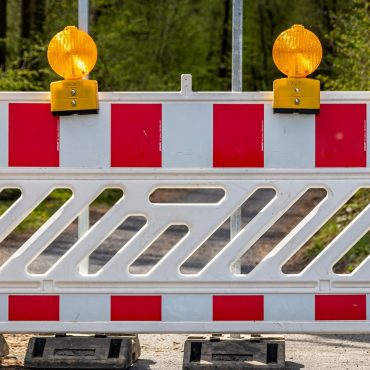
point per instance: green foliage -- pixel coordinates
(7, 198)
(108, 198)
(351, 61)
(40, 214)
(27, 68)
(347, 213)
(19, 80)
(51, 204)
(147, 44)
(44, 211)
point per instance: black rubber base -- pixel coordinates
(80, 112)
(245, 353)
(292, 110)
(79, 352)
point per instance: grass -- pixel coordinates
(50, 205)
(348, 212)
(7, 198)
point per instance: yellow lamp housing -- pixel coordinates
(297, 52)
(72, 54)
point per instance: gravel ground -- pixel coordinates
(313, 352)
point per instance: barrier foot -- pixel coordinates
(4, 348)
(246, 352)
(82, 352)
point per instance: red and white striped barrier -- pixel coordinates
(186, 134)
(190, 312)
(140, 142)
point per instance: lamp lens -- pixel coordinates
(72, 53)
(297, 52)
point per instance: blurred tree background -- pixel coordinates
(147, 44)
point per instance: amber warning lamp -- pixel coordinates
(72, 54)
(297, 52)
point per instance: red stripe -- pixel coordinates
(136, 308)
(238, 308)
(340, 307)
(238, 135)
(33, 136)
(341, 135)
(33, 308)
(136, 135)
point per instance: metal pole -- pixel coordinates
(236, 85)
(237, 46)
(83, 15)
(84, 217)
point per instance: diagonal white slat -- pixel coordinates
(219, 267)
(83, 194)
(202, 227)
(323, 263)
(135, 202)
(32, 195)
(67, 267)
(361, 273)
(202, 220)
(270, 267)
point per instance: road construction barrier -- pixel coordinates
(140, 142)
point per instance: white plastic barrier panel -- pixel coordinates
(140, 142)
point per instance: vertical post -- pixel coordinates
(236, 85)
(84, 217)
(83, 15)
(237, 46)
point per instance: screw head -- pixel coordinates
(73, 103)
(296, 101)
(297, 89)
(73, 92)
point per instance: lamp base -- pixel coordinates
(74, 97)
(296, 95)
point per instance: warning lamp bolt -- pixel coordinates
(297, 52)
(72, 54)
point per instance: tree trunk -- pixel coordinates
(225, 41)
(32, 26)
(2, 34)
(38, 19)
(26, 13)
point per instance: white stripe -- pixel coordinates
(85, 139)
(4, 134)
(188, 307)
(84, 307)
(367, 125)
(187, 135)
(289, 139)
(4, 307)
(289, 307)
